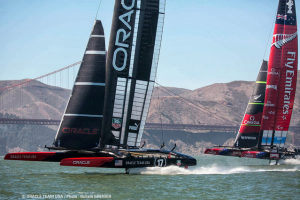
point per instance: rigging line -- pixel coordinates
(160, 113)
(30, 80)
(203, 109)
(98, 10)
(269, 36)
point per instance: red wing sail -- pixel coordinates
(282, 77)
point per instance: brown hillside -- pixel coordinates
(228, 100)
(37, 101)
(220, 103)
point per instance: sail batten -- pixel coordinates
(97, 36)
(95, 52)
(89, 83)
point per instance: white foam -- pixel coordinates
(279, 170)
(214, 169)
(290, 162)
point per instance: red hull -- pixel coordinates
(214, 151)
(29, 156)
(250, 154)
(87, 162)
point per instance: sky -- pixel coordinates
(204, 42)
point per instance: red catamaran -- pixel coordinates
(264, 128)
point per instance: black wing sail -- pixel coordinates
(81, 123)
(248, 134)
(131, 70)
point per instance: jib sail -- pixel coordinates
(131, 69)
(250, 128)
(81, 123)
(282, 77)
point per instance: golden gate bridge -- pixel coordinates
(20, 99)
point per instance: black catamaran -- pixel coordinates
(264, 128)
(104, 120)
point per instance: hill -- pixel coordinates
(227, 102)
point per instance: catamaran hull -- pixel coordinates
(111, 162)
(48, 156)
(106, 159)
(251, 154)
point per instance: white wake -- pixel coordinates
(290, 162)
(214, 169)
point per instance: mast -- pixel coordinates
(132, 61)
(81, 123)
(250, 127)
(282, 77)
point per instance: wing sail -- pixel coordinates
(248, 134)
(282, 77)
(82, 120)
(131, 70)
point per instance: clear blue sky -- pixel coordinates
(204, 42)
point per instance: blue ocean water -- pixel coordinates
(214, 177)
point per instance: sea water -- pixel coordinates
(214, 177)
